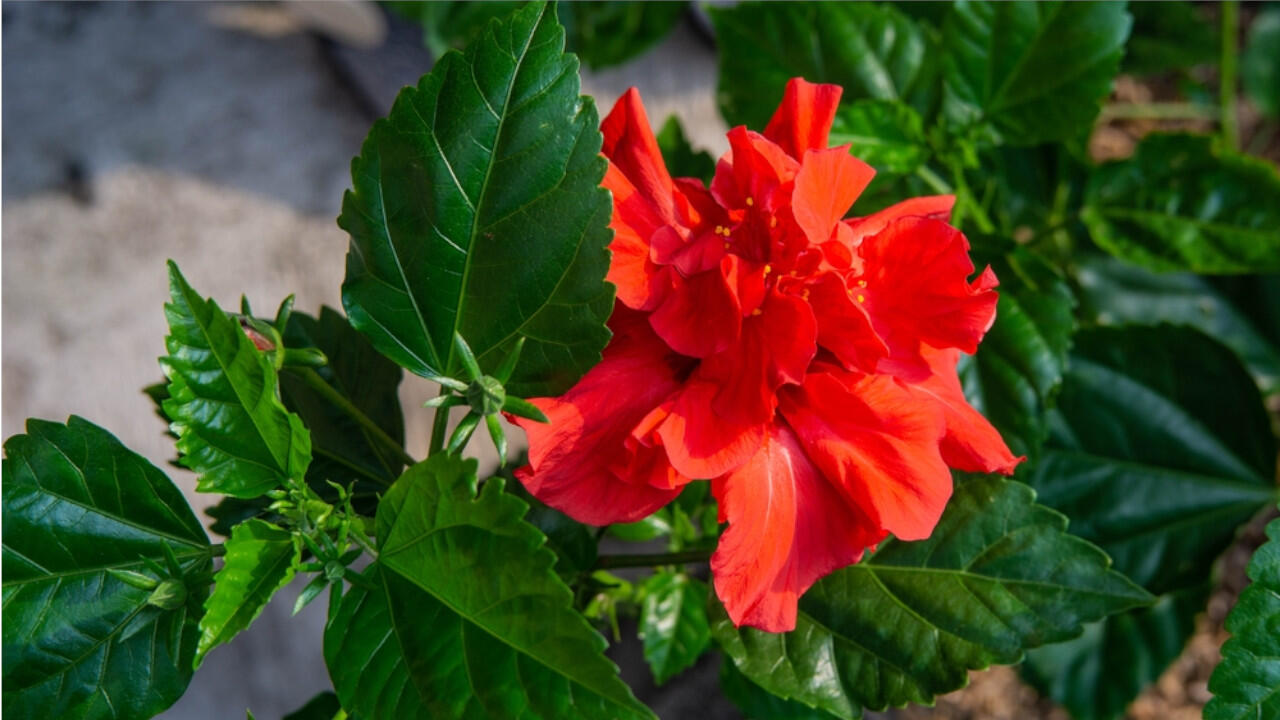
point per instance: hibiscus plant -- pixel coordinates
(902, 386)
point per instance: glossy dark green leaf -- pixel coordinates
(1184, 203)
(224, 403)
(1019, 365)
(344, 451)
(477, 210)
(609, 33)
(1114, 292)
(1033, 190)
(888, 135)
(1160, 449)
(1032, 72)
(324, 706)
(1097, 675)
(872, 51)
(1260, 62)
(1169, 35)
(682, 160)
(758, 704)
(999, 575)
(673, 622)
(573, 543)
(501, 643)
(260, 560)
(79, 510)
(1247, 682)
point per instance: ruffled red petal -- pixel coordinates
(877, 443)
(971, 444)
(936, 207)
(803, 119)
(788, 527)
(629, 143)
(917, 290)
(826, 185)
(700, 441)
(843, 325)
(700, 316)
(580, 462)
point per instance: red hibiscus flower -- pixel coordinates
(802, 362)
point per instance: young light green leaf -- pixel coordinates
(872, 51)
(223, 401)
(1032, 72)
(673, 623)
(343, 450)
(1019, 365)
(1097, 675)
(503, 645)
(79, 642)
(888, 135)
(260, 560)
(1114, 292)
(1184, 203)
(999, 575)
(477, 210)
(1247, 682)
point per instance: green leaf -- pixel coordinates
(999, 575)
(609, 33)
(79, 641)
(1260, 62)
(324, 706)
(477, 209)
(651, 528)
(503, 644)
(872, 51)
(1160, 449)
(449, 25)
(573, 543)
(343, 450)
(673, 623)
(1247, 682)
(1032, 72)
(1097, 675)
(758, 704)
(1169, 36)
(1115, 293)
(888, 135)
(1018, 368)
(682, 160)
(260, 560)
(1184, 203)
(223, 401)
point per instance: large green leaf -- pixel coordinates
(1184, 203)
(224, 403)
(608, 33)
(1260, 62)
(477, 209)
(758, 704)
(1097, 675)
(673, 622)
(260, 560)
(345, 451)
(1247, 682)
(888, 135)
(1114, 292)
(1160, 449)
(999, 575)
(81, 514)
(1032, 72)
(1019, 365)
(502, 643)
(872, 51)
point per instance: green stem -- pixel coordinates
(1227, 73)
(439, 426)
(317, 383)
(963, 195)
(934, 180)
(1159, 111)
(628, 561)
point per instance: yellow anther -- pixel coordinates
(862, 283)
(773, 222)
(805, 293)
(719, 229)
(862, 298)
(726, 246)
(757, 311)
(750, 202)
(768, 269)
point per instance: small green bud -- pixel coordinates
(170, 594)
(486, 395)
(133, 579)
